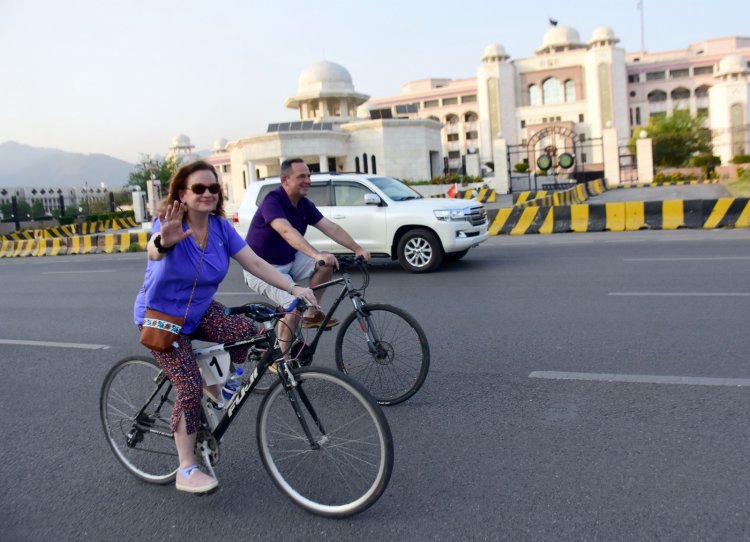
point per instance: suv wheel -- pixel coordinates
(420, 251)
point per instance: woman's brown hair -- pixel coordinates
(179, 180)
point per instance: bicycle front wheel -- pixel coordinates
(389, 356)
(348, 465)
(136, 405)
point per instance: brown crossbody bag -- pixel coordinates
(160, 330)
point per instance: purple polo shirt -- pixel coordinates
(169, 281)
(264, 240)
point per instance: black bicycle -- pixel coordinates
(323, 440)
(381, 346)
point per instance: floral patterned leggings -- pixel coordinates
(182, 369)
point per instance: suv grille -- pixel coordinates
(478, 216)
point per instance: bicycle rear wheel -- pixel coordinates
(397, 365)
(143, 442)
(350, 466)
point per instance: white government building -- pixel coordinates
(584, 98)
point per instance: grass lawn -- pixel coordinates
(738, 188)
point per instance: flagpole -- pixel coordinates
(643, 39)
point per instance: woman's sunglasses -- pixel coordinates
(199, 188)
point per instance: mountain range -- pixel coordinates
(27, 166)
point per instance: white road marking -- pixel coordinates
(78, 272)
(696, 259)
(682, 294)
(83, 346)
(642, 379)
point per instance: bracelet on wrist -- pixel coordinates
(291, 287)
(161, 249)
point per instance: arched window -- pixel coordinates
(657, 100)
(470, 117)
(702, 91)
(451, 119)
(657, 96)
(570, 91)
(681, 98)
(364, 161)
(374, 165)
(356, 164)
(551, 91)
(535, 98)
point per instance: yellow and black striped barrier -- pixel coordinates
(669, 183)
(623, 216)
(75, 245)
(86, 228)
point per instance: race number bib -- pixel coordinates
(214, 366)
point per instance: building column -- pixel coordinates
(323, 163)
(611, 156)
(250, 172)
(644, 152)
(501, 181)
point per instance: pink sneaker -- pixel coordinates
(192, 480)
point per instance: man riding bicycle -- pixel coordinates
(276, 234)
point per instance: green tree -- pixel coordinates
(37, 210)
(24, 210)
(161, 168)
(676, 138)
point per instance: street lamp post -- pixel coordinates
(151, 163)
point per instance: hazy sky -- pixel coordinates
(122, 78)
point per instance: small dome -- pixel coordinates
(324, 74)
(220, 145)
(603, 34)
(494, 51)
(732, 64)
(180, 140)
(561, 36)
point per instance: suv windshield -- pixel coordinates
(396, 190)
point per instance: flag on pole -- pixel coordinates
(452, 191)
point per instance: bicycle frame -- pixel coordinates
(349, 291)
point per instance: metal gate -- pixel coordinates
(628, 165)
(547, 148)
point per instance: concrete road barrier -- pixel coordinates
(623, 216)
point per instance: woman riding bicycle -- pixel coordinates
(188, 255)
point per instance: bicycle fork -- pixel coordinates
(295, 394)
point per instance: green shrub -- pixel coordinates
(91, 218)
(128, 214)
(705, 160)
(521, 167)
(741, 159)
(672, 177)
(67, 220)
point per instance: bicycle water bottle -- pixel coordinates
(232, 384)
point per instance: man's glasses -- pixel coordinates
(199, 188)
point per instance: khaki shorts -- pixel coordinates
(297, 271)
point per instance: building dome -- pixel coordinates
(561, 36)
(180, 140)
(494, 51)
(220, 145)
(325, 80)
(324, 75)
(732, 65)
(603, 34)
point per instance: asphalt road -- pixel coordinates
(583, 386)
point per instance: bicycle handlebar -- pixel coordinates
(346, 261)
(261, 313)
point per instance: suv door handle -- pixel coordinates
(338, 216)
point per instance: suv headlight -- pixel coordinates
(452, 214)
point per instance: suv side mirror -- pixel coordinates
(372, 199)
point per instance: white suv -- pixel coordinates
(385, 217)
